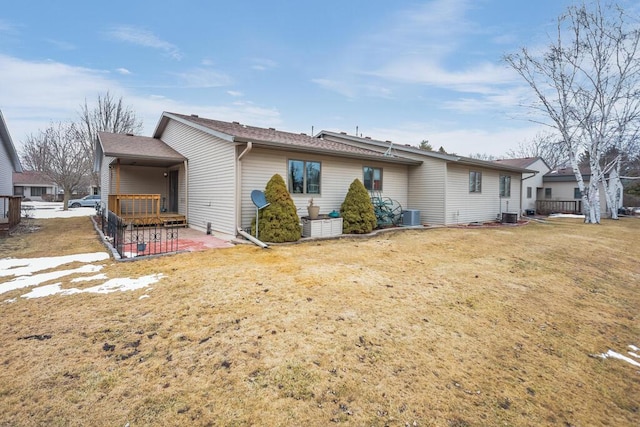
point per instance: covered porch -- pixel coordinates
(143, 180)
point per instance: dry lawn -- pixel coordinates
(443, 327)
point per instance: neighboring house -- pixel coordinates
(9, 161)
(531, 186)
(562, 192)
(449, 189)
(10, 206)
(34, 185)
(206, 169)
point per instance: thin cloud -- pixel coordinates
(235, 93)
(203, 78)
(123, 71)
(141, 37)
(62, 45)
(263, 64)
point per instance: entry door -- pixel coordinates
(173, 191)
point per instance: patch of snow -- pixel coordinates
(634, 348)
(26, 281)
(43, 210)
(566, 216)
(9, 301)
(89, 278)
(144, 296)
(612, 354)
(26, 266)
(113, 285)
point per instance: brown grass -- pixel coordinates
(446, 327)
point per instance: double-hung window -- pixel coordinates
(304, 177)
(372, 178)
(577, 194)
(475, 182)
(505, 186)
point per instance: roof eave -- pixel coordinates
(164, 119)
(325, 151)
(8, 142)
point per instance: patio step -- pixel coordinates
(175, 223)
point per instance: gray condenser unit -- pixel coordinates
(411, 217)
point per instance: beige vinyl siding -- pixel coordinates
(105, 183)
(427, 190)
(464, 207)
(139, 180)
(211, 177)
(6, 172)
(336, 175)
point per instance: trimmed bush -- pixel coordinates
(278, 222)
(358, 216)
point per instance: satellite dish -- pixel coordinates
(258, 199)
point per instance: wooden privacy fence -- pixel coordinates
(546, 207)
(10, 212)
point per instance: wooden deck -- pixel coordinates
(144, 210)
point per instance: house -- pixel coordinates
(449, 189)
(205, 171)
(9, 161)
(10, 206)
(562, 194)
(531, 185)
(34, 185)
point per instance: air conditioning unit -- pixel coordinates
(411, 217)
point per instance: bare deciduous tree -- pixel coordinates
(108, 115)
(587, 85)
(59, 152)
(544, 145)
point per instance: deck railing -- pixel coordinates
(546, 207)
(137, 208)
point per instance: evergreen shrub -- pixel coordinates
(278, 222)
(358, 216)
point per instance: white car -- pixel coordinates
(89, 201)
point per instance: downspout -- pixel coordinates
(248, 236)
(186, 189)
(239, 185)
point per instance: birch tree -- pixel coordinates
(587, 87)
(59, 153)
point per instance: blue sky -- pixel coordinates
(395, 70)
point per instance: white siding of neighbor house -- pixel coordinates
(105, 182)
(535, 182)
(464, 207)
(6, 172)
(336, 175)
(564, 191)
(211, 190)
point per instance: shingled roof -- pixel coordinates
(270, 137)
(139, 149)
(32, 178)
(518, 163)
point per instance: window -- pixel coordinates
(547, 193)
(505, 186)
(475, 182)
(18, 190)
(577, 194)
(38, 191)
(304, 177)
(372, 178)
(528, 192)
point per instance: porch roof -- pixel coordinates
(138, 150)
